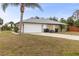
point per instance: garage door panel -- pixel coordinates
(32, 28)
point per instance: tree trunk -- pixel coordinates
(21, 18)
(21, 23)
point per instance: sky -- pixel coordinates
(59, 10)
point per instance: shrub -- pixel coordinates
(70, 21)
(62, 20)
(8, 28)
(2, 28)
(77, 23)
(16, 29)
(46, 30)
(5, 27)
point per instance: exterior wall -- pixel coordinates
(44, 26)
(65, 28)
(53, 27)
(33, 27)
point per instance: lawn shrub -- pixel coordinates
(16, 29)
(77, 23)
(3, 28)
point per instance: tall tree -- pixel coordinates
(77, 23)
(22, 9)
(53, 18)
(62, 20)
(37, 17)
(50, 18)
(70, 21)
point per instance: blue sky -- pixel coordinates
(50, 9)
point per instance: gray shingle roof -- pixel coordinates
(42, 21)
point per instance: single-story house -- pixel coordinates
(38, 25)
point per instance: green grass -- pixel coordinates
(32, 45)
(71, 54)
(71, 33)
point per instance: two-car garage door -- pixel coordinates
(32, 28)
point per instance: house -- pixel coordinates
(39, 25)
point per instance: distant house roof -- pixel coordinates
(42, 21)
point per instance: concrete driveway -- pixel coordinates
(72, 37)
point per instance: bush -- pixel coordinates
(2, 28)
(16, 29)
(5, 27)
(62, 20)
(8, 28)
(77, 23)
(70, 21)
(46, 30)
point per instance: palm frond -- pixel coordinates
(14, 4)
(33, 5)
(5, 5)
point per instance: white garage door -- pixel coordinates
(32, 28)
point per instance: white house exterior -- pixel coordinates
(38, 25)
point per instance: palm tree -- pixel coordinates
(22, 9)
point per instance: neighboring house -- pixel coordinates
(38, 25)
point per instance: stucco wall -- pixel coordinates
(53, 27)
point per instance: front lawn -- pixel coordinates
(11, 44)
